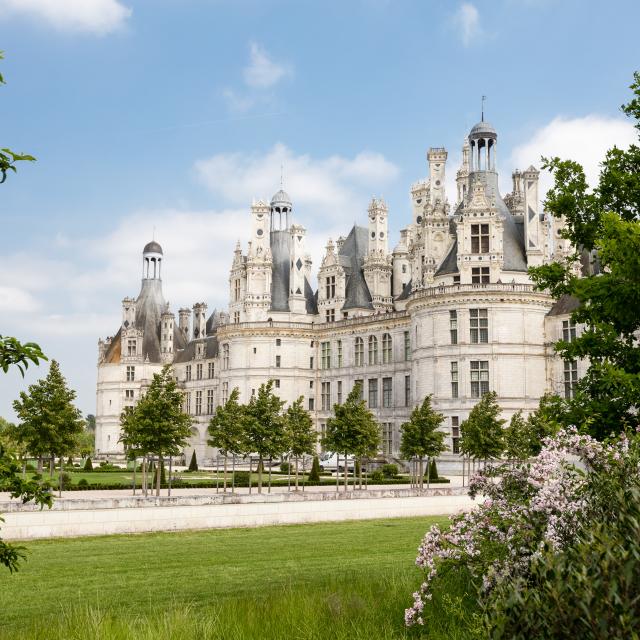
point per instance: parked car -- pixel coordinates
(329, 461)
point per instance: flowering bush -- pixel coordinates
(529, 510)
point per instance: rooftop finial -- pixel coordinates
(154, 233)
(281, 174)
(482, 108)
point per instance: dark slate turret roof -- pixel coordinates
(280, 244)
(189, 351)
(152, 247)
(351, 257)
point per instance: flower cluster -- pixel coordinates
(526, 507)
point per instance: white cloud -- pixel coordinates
(585, 140)
(262, 72)
(14, 299)
(93, 16)
(467, 21)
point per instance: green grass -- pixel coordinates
(338, 580)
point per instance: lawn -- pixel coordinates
(338, 580)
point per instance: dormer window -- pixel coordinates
(132, 348)
(479, 238)
(330, 287)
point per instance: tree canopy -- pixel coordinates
(603, 225)
(422, 436)
(482, 432)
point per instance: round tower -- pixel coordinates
(281, 211)
(483, 141)
(151, 261)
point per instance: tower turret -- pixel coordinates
(533, 224)
(199, 320)
(297, 301)
(167, 321)
(151, 261)
(437, 157)
(184, 315)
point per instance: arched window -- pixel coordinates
(387, 349)
(359, 352)
(373, 350)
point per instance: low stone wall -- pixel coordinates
(134, 514)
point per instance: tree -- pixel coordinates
(227, 429)
(422, 436)
(157, 424)
(13, 352)
(301, 435)
(353, 429)
(193, 465)
(482, 432)
(314, 474)
(8, 161)
(49, 422)
(602, 224)
(265, 426)
(91, 422)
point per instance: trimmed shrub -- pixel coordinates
(30, 467)
(193, 465)
(241, 478)
(87, 465)
(433, 472)
(314, 474)
(390, 470)
(70, 462)
(376, 477)
(83, 483)
(286, 467)
(65, 480)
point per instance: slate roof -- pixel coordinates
(351, 257)
(450, 262)
(189, 351)
(406, 291)
(280, 242)
(152, 247)
(564, 306)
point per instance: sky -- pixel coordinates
(165, 118)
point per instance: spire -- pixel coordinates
(482, 109)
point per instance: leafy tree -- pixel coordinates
(482, 432)
(301, 435)
(602, 223)
(518, 443)
(49, 422)
(353, 429)
(91, 422)
(193, 465)
(422, 436)
(7, 163)
(227, 429)
(266, 426)
(13, 352)
(157, 423)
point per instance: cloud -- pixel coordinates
(585, 140)
(262, 72)
(467, 21)
(94, 16)
(14, 299)
(260, 78)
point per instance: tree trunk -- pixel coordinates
(260, 473)
(40, 465)
(337, 472)
(296, 473)
(135, 463)
(250, 465)
(346, 472)
(52, 460)
(421, 472)
(60, 478)
(303, 471)
(158, 472)
(360, 472)
(428, 471)
(224, 481)
(170, 470)
(233, 473)
(144, 476)
(270, 465)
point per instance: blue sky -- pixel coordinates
(173, 114)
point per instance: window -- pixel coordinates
(277, 383)
(325, 396)
(128, 395)
(479, 325)
(453, 326)
(311, 404)
(339, 392)
(310, 384)
(570, 378)
(387, 349)
(132, 348)
(198, 402)
(479, 238)
(407, 391)
(387, 438)
(339, 353)
(330, 315)
(359, 352)
(278, 361)
(455, 435)
(454, 379)
(387, 392)
(568, 330)
(278, 342)
(407, 345)
(225, 356)
(330, 287)
(311, 362)
(210, 401)
(360, 384)
(131, 374)
(373, 393)
(479, 378)
(187, 403)
(211, 370)
(187, 373)
(225, 392)
(456, 279)
(373, 350)
(199, 372)
(325, 360)
(236, 290)
(236, 317)
(479, 275)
